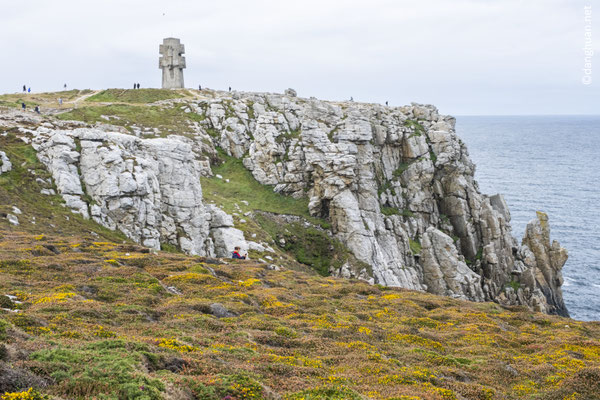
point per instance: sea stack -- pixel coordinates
(172, 63)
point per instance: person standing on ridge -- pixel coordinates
(24, 88)
(386, 103)
(29, 90)
(236, 254)
(230, 88)
(199, 87)
(65, 87)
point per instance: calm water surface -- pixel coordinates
(551, 164)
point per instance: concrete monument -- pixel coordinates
(172, 63)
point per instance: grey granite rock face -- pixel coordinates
(225, 236)
(147, 188)
(389, 180)
(444, 271)
(396, 185)
(542, 278)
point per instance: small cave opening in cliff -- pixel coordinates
(324, 209)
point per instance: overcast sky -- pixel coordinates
(464, 56)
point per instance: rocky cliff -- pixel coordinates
(395, 183)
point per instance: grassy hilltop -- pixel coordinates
(86, 314)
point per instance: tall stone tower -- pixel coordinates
(172, 63)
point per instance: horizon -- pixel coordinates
(473, 57)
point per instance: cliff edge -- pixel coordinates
(395, 185)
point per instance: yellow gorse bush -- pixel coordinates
(26, 395)
(365, 330)
(249, 282)
(272, 302)
(191, 277)
(103, 332)
(56, 298)
(416, 340)
(297, 361)
(175, 345)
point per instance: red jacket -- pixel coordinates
(235, 254)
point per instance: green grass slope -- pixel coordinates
(169, 120)
(303, 240)
(42, 99)
(135, 96)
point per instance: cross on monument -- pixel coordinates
(172, 63)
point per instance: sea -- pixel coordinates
(549, 164)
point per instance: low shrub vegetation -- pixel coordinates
(114, 332)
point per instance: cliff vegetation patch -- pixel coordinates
(142, 96)
(237, 185)
(166, 120)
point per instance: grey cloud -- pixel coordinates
(465, 56)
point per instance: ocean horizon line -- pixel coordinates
(525, 115)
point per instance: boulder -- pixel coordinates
(219, 311)
(290, 92)
(5, 164)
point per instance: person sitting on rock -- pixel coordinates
(236, 254)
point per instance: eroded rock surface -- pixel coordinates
(538, 274)
(147, 188)
(396, 184)
(390, 180)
